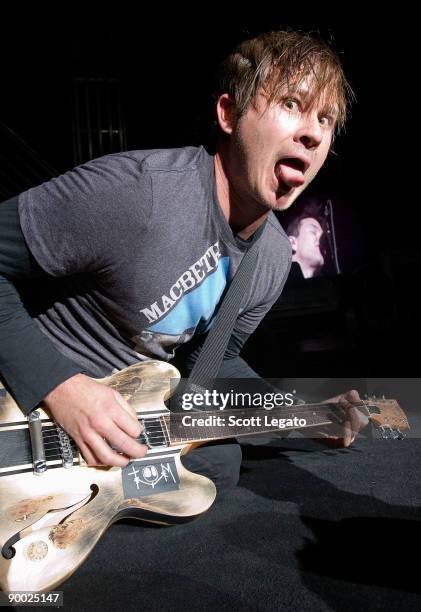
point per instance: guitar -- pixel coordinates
(54, 508)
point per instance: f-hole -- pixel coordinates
(8, 551)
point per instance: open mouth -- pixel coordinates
(294, 162)
(282, 189)
(289, 171)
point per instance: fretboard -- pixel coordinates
(214, 425)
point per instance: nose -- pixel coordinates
(309, 132)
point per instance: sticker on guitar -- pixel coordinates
(141, 478)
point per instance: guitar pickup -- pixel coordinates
(153, 434)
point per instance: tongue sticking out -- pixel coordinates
(286, 172)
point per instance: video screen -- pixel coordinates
(325, 236)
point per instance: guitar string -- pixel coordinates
(154, 429)
(157, 431)
(174, 416)
(51, 431)
(162, 439)
(156, 434)
(54, 434)
(298, 409)
(51, 455)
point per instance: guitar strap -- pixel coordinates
(212, 353)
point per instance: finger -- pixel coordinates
(103, 452)
(348, 438)
(352, 396)
(363, 414)
(124, 443)
(87, 454)
(130, 411)
(312, 432)
(127, 418)
(356, 422)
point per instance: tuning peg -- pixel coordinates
(388, 433)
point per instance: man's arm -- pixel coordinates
(30, 364)
(34, 370)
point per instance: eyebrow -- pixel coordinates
(332, 110)
(305, 93)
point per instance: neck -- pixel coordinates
(307, 270)
(193, 427)
(243, 215)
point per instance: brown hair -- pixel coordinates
(310, 210)
(277, 62)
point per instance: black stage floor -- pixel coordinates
(306, 529)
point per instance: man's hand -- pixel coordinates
(96, 417)
(356, 418)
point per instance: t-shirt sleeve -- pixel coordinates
(22, 344)
(79, 222)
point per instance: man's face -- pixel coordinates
(276, 150)
(306, 245)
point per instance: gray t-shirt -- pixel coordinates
(141, 253)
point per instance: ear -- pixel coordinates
(225, 110)
(293, 242)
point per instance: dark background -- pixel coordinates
(360, 324)
(307, 528)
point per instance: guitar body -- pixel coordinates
(51, 521)
(54, 508)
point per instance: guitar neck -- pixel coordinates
(189, 427)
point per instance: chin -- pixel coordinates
(284, 202)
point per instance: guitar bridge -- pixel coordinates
(65, 447)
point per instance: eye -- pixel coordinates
(291, 104)
(326, 120)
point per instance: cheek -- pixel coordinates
(324, 150)
(319, 161)
(276, 128)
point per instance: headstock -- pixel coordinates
(388, 416)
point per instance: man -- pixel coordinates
(131, 252)
(304, 233)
